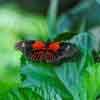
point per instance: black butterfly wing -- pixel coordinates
(37, 56)
(50, 56)
(69, 50)
(26, 48)
(66, 52)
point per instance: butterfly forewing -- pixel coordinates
(34, 50)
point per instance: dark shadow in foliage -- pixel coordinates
(65, 36)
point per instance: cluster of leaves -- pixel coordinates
(78, 80)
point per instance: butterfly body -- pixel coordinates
(50, 52)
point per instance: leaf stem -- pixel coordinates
(52, 12)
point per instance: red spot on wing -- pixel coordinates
(38, 45)
(54, 46)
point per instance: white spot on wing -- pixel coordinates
(23, 45)
(68, 47)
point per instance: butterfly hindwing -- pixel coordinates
(50, 57)
(37, 55)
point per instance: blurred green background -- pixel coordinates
(43, 19)
(15, 25)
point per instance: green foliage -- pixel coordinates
(25, 80)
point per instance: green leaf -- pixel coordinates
(89, 9)
(86, 42)
(91, 77)
(21, 94)
(68, 74)
(64, 36)
(71, 19)
(98, 1)
(42, 77)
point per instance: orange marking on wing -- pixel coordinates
(38, 45)
(54, 46)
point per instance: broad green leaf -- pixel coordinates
(64, 24)
(86, 42)
(88, 9)
(68, 74)
(44, 78)
(98, 1)
(91, 81)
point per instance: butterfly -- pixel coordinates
(48, 52)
